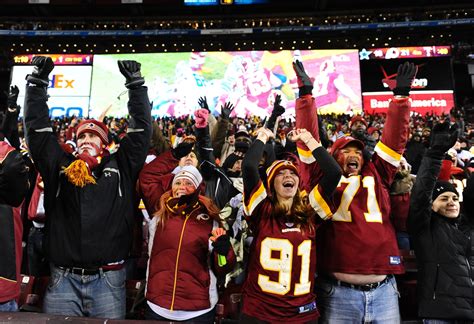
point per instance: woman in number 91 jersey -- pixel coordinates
(279, 283)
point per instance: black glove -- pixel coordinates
(182, 149)
(304, 82)
(13, 97)
(42, 68)
(277, 111)
(203, 103)
(222, 245)
(405, 75)
(226, 110)
(443, 138)
(131, 72)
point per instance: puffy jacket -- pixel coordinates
(91, 226)
(180, 275)
(442, 246)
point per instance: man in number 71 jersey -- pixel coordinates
(357, 251)
(282, 262)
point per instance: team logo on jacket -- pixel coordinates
(289, 224)
(203, 217)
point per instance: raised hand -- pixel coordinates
(264, 134)
(303, 78)
(131, 71)
(200, 116)
(13, 96)
(405, 75)
(278, 110)
(226, 110)
(443, 137)
(42, 68)
(301, 134)
(202, 101)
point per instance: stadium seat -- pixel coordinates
(135, 296)
(27, 284)
(409, 260)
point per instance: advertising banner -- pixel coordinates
(69, 87)
(432, 88)
(423, 102)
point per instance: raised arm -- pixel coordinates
(254, 190)
(321, 194)
(443, 138)
(134, 147)
(42, 142)
(395, 133)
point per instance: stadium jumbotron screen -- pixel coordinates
(250, 80)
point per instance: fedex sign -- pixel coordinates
(65, 80)
(59, 81)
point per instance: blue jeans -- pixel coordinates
(101, 295)
(403, 240)
(9, 306)
(338, 304)
(38, 266)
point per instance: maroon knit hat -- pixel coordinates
(95, 127)
(357, 118)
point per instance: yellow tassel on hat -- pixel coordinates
(78, 174)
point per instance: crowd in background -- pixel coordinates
(200, 166)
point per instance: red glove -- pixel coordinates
(201, 118)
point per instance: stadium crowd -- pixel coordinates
(196, 205)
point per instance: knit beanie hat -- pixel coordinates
(276, 166)
(96, 127)
(230, 161)
(190, 173)
(442, 187)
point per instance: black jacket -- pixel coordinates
(442, 247)
(90, 226)
(219, 186)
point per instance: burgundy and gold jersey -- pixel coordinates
(282, 262)
(360, 239)
(281, 269)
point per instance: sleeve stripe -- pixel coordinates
(306, 156)
(43, 130)
(387, 154)
(255, 198)
(135, 130)
(319, 204)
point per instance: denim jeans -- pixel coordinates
(101, 295)
(38, 266)
(9, 306)
(338, 304)
(403, 240)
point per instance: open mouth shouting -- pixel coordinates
(352, 166)
(290, 184)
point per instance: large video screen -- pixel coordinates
(250, 80)
(432, 88)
